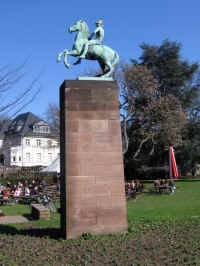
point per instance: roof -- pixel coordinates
(4, 128)
(23, 125)
(53, 167)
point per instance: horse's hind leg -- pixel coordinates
(110, 69)
(103, 67)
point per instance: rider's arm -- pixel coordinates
(95, 31)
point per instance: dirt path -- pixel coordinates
(13, 219)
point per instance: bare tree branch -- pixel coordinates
(13, 98)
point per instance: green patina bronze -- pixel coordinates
(85, 47)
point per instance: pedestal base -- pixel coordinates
(92, 173)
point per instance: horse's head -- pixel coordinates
(80, 26)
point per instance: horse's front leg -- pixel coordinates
(60, 55)
(72, 53)
(65, 61)
(67, 52)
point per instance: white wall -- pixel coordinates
(27, 151)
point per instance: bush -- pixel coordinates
(146, 173)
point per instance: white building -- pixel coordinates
(28, 141)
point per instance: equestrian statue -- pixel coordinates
(86, 48)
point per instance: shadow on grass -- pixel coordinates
(28, 216)
(54, 233)
(30, 229)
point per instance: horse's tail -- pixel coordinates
(116, 59)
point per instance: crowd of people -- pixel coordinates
(162, 185)
(20, 189)
(34, 187)
(133, 187)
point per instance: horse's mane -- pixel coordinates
(85, 28)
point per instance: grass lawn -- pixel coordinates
(183, 205)
(163, 230)
(22, 209)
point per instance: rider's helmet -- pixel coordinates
(99, 22)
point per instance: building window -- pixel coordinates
(50, 156)
(2, 159)
(41, 129)
(38, 141)
(28, 156)
(36, 129)
(20, 158)
(28, 142)
(14, 159)
(38, 157)
(49, 143)
(45, 129)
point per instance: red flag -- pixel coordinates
(173, 171)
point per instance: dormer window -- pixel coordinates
(19, 125)
(41, 127)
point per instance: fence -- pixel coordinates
(17, 171)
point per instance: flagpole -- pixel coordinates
(170, 164)
(166, 149)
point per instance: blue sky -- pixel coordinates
(37, 30)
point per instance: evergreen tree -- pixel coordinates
(174, 75)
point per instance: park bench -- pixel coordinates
(28, 199)
(4, 200)
(38, 211)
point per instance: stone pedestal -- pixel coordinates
(92, 174)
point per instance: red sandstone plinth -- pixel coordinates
(92, 175)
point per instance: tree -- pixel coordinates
(167, 113)
(13, 98)
(150, 121)
(53, 116)
(188, 154)
(174, 75)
